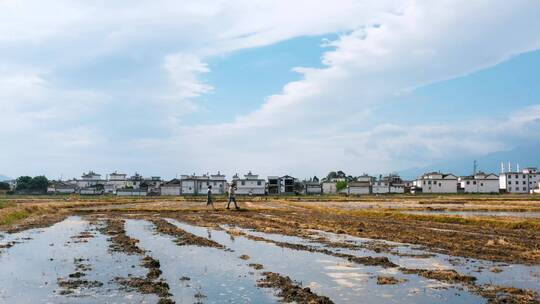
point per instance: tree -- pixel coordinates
(39, 184)
(340, 185)
(23, 183)
(4, 186)
(28, 184)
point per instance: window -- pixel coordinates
(509, 176)
(424, 182)
(258, 183)
(516, 176)
(524, 189)
(468, 182)
(474, 182)
(509, 182)
(440, 185)
(429, 182)
(524, 182)
(481, 184)
(243, 183)
(524, 176)
(517, 183)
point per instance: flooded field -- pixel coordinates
(98, 259)
(166, 252)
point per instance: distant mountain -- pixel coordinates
(3, 177)
(525, 156)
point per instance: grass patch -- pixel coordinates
(12, 217)
(4, 204)
(504, 223)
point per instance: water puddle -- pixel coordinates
(336, 278)
(204, 274)
(30, 270)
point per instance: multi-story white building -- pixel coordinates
(251, 184)
(435, 182)
(519, 182)
(388, 184)
(115, 181)
(90, 179)
(198, 185)
(479, 183)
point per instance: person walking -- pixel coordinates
(232, 195)
(209, 197)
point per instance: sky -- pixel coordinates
(274, 87)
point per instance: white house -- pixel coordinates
(384, 187)
(251, 184)
(312, 186)
(115, 181)
(358, 187)
(519, 182)
(480, 183)
(435, 182)
(198, 185)
(90, 179)
(329, 187)
(172, 187)
(134, 181)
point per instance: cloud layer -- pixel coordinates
(133, 116)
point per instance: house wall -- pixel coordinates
(188, 187)
(480, 186)
(382, 189)
(168, 190)
(358, 190)
(329, 188)
(519, 182)
(313, 190)
(133, 192)
(254, 187)
(439, 185)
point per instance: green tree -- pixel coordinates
(4, 186)
(341, 185)
(39, 183)
(23, 183)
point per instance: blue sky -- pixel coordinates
(274, 87)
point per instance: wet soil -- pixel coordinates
(386, 280)
(151, 284)
(503, 245)
(74, 280)
(290, 291)
(183, 237)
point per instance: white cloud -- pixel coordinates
(322, 122)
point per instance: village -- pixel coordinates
(513, 180)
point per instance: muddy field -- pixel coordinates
(296, 250)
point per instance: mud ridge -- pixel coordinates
(493, 293)
(290, 291)
(152, 283)
(74, 280)
(183, 237)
